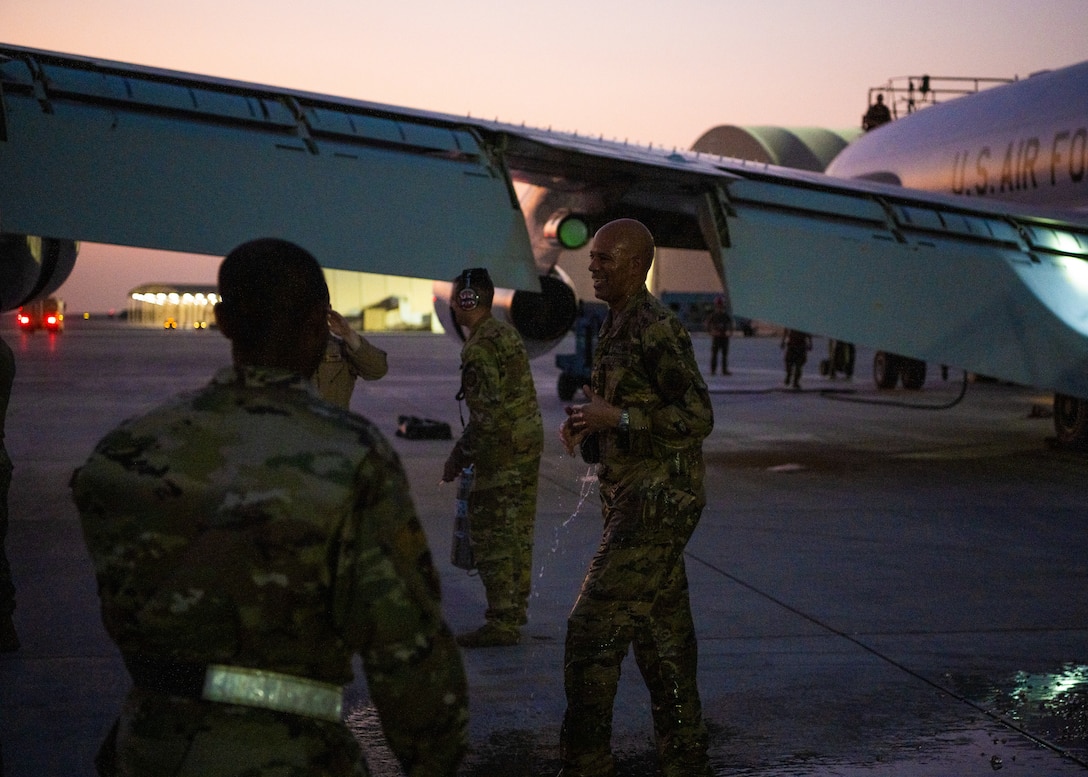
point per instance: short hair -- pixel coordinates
(266, 281)
(478, 280)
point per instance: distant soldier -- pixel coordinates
(719, 325)
(348, 355)
(877, 114)
(649, 411)
(796, 345)
(9, 639)
(248, 539)
(503, 441)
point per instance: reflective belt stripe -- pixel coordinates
(273, 691)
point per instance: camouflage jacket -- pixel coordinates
(645, 364)
(504, 419)
(252, 523)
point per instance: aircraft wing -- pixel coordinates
(118, 154)
(121, 154)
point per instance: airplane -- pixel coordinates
(114, 153)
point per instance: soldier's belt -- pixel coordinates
(273, 691)
(239, 685)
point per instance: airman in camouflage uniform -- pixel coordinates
(254, 534)
(648, 414)
(503, 440)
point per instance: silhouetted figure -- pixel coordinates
(719, 325)
(877, 114)
(797, 345)
(249, 539)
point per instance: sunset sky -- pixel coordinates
(661, 71)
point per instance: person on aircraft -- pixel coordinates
(503, 442)
(248, 539)
(877, 115)
(648, 413)
(348, 355)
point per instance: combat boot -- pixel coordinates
(490, 635)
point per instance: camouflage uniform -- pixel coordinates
(636, 591)
(503, 439)
(341, 365)
(253, 524)
(7, 588)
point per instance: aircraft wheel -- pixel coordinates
(1071, 421)
(568, 384)
(913, 373)
(885, 369)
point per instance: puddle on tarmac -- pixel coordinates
(1052, 706)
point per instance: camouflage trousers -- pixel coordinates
(168, 736)
(635, 593)
(502, 510)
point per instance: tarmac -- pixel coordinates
(883, 582)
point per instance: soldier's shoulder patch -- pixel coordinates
(470, 377)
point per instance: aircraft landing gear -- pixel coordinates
(1071, 421)
(890, 368)
(885, 369)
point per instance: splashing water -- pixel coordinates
(588, 484)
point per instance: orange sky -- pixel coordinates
(661, 71)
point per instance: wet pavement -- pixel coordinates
(878, 589)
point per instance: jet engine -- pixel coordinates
(32, 267)
(542, 318)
